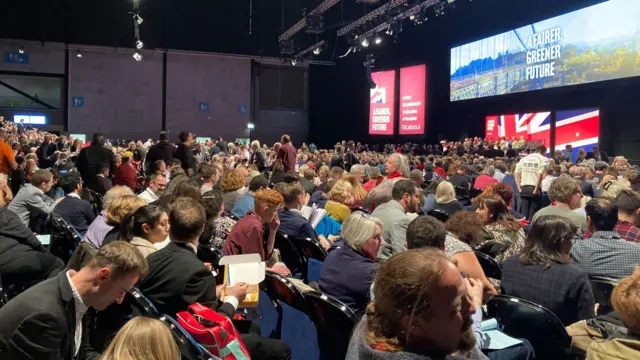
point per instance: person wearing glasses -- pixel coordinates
(155, 189)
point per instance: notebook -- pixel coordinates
(494, 339)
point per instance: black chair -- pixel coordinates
(523, 319)
(359, 209)
(473, 193)
(443, 216)
(96, 200)
(282, 290)
(289, 253)
(207, 253)
(310, 250)
(64, 237)
(141, 305)
(189, 348)
(489, 265)
(462, 195)
(334, 323)
(602, 288)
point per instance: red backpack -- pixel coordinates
(215, 332)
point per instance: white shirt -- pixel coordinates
(530, 167)
(545, 184)
(74, 195)
(148, 196)
(81, 309)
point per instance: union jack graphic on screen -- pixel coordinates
(579, 128)
(531, 127)
(379, 95)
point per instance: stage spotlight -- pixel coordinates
(412, 17)
(294, 62)
(365, 43)
(378, 40)
(21, 50)
(139, 45)
(79, 54)
(317, 51)
(137, 18)
(137, 56)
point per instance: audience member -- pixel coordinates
(586, 187)
(359, 193)
(406, 197)
(565, 196)
(347, 272)
(421, 310)
(126, 174)
(92, 157)
(145, 227)
(6, 195)
(143, 338)
(46, 153)
(460, 178)
(31, 202)
(287, 154)
(177, 278)
(155, 190)
(545, 274)
(446, 199)
(340, 200)
(605, 254)
(277, 173)
(208, 177)
(258, 157)
(218, 226)
(292, 222)
(101, 182)
(248, 236)
(116, 214)
(7, 157)
(233, 188)
(245, 203)
(77, 212)
(550, 174)
(486, 177)
(306, 179)
(99, 228)
(628, 202)
(46, 321)
(528, 174)
(507, 236)
(184, 154)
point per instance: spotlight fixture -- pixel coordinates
(365, 42)
(138, 19)
(294, 62)
(378, 40)
(412, 17)
(79, 54)
(139, 45)
(317, 51)
(21, 50)
(137, 56)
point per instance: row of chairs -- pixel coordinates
(300, 254)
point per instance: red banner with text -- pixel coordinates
(382, 103)
(412, 99)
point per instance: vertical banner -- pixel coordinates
(412, 99)
(491, 128)
(382, 103)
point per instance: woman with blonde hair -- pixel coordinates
(232, 186)
(446, 199)
(5, 191)
(143, 338)
(117, 212)
(340, 201)
(359, 193)
(323, 175)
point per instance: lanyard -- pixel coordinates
(560, 205)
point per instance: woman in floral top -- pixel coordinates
(507, 236)
(218, 226)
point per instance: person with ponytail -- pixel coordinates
(145, 227)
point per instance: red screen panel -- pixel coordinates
(382, 103)
(578, 128)
(412, 100)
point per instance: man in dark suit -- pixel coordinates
(126, 174)
(46, 152)
(93, 156)
(72, 208)
(177, 278)
(184, 153)
(46, 321)
(101, 183)
(160, 151)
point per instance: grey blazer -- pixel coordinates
(394, 234)
(30, 201)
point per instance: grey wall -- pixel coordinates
(222, 82)
(122, 97)
(272, 124)
(41, 59)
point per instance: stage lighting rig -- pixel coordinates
(137, 56)
(365, 42)
(287, 47)
(378, 40)
(315, 25)
(138, 19)
(438, 8)
(316, 49)
(323, 7)
(382, 10)
(139, 45)
(368, 67)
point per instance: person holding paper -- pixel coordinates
(249, 235)
(177, 279)
(292, 220)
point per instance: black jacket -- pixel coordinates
(90, 159)
(76, 212)
(177, 279)
(45, 151)
(39, 324)
(100, 185)
(15, 238)
(160, 151)
(185, 155)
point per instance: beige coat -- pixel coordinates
(145, 247)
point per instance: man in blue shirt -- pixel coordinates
(245, 203)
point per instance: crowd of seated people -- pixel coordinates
(415, 282)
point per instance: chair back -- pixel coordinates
(334, 323)
(443, 216)
(462, 194)
(64, 237)
(141, 304)
(279, 288)
(489, 265)
(96, 200)
(520, 318)
(359, 209)
(311, 251)
(473, 193)
(289, 253)
(189, 348)
(602, 288)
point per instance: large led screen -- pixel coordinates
(597, 43)
(412, 99)
(578, 128)
(534, 128)
(382, 103)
